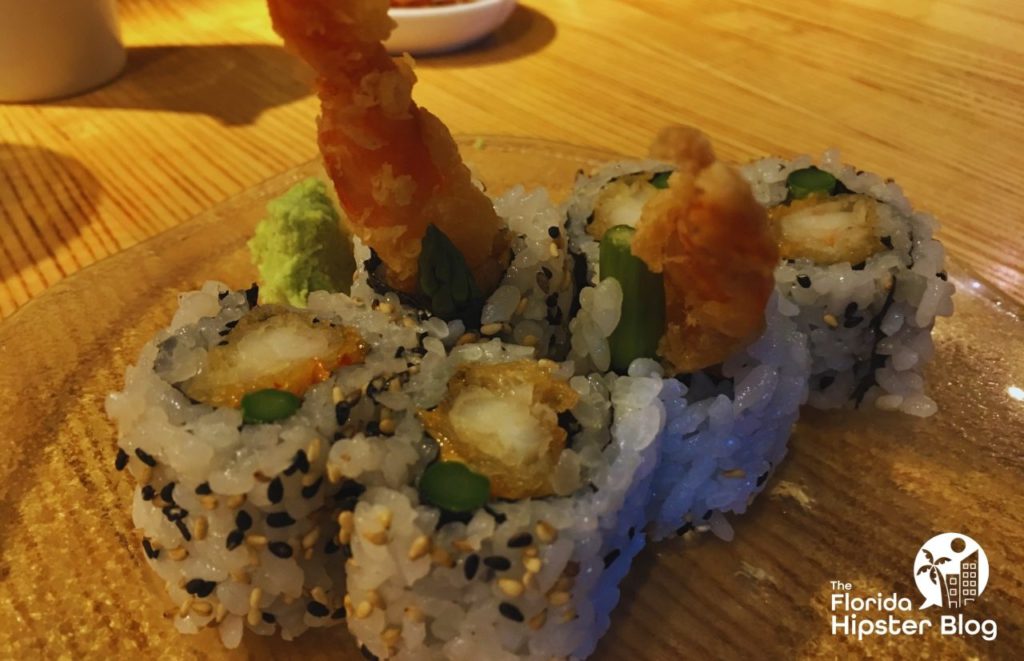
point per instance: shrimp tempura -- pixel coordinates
(395, 166)
(712, 241)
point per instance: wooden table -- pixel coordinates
(929, 92)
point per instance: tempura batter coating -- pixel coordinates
(712, 241)
(395, 166)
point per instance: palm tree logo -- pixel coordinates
(951, 571)
(933, 567)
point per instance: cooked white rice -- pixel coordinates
(869, 324)
(726, 430)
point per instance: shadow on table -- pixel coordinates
(526, 31)
(37, 186)
(233, 83)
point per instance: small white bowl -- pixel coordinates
(429, 30)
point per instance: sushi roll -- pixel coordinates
(531, 302)
(861, 275)
(728, 422)
(501, 515)
(225, 423)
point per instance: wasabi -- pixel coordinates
(301, 246)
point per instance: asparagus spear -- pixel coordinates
(642, 322)
(446, 279)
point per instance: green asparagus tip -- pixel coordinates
(805, 182)
(642, 320)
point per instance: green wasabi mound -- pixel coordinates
(301, 246)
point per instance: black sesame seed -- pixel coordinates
(204, 489)
(341, 412)
(859, 266)
(279, 519)
(554, 232)
(510, 611)
(145, 457)
(275, 491)
(222, 343)
(280, 549)
(887, 242)
(174, 513)
(632, 532)
(851, 309)
(761, 478)
(338, 614)
(231, 324)
(520, 540)
(224, 332)
(852, 322)
(498, 562)
(151, 552)
(269, 618)
(121, 460)
(312, 489)
(316, 609)
(470, 565)
(148, 492)
(200, 588)
(942, 275)
(252, 295)
(612, 556)
(804, 281)
(243, 520)
(235, 538)
(183, 529)
(221, 295)
(299, 463)
(167, 493)
(375, 387)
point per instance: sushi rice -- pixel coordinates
(320, 519)
(726, 430)
(869, 324)
(532, 578)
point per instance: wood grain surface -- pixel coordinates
(930, 92)
(854, 501)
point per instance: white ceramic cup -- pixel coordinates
(55, 48)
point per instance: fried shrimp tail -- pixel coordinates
(712, 241)
(395, 166)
